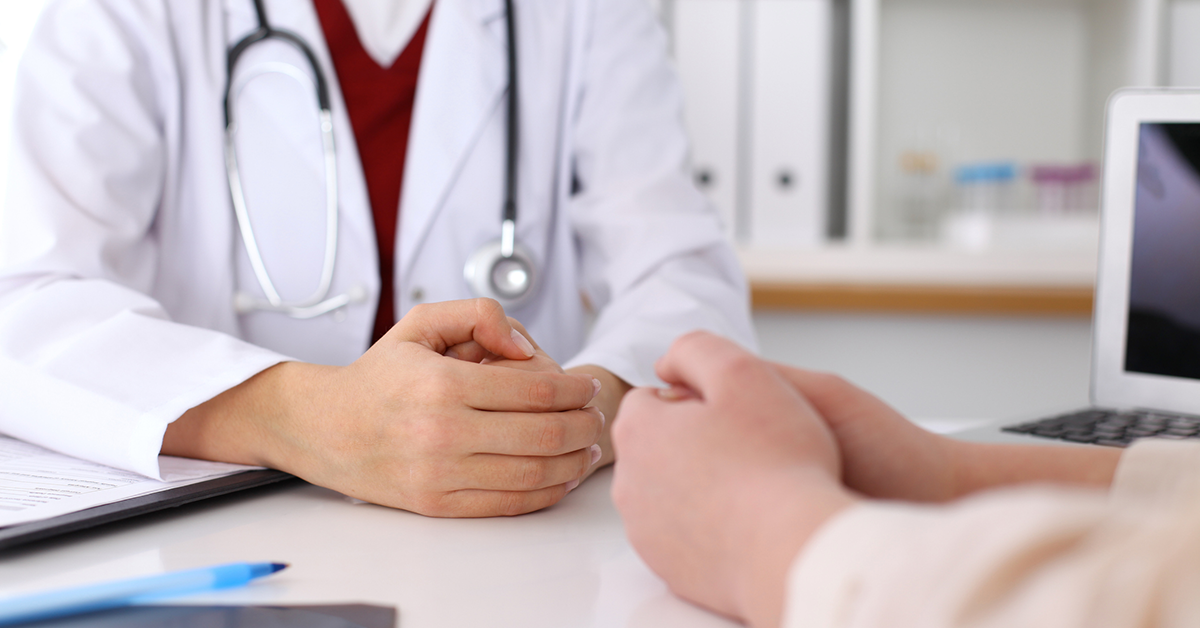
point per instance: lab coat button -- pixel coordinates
(418, 295)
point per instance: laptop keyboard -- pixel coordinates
(1111, 427)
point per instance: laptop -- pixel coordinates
(1146, 321)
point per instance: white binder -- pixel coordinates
(789, 189)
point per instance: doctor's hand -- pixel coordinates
(408, 427)
(723, 477)
(612, 389)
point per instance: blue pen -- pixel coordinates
(128, 592)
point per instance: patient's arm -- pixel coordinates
(980, 466)
(886, 456)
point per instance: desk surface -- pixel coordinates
(566, 566)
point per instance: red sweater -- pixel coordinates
(380, 103)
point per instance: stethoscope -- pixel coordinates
(502, 269)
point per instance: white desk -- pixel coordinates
(566, 566)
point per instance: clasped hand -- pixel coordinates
(428, 420)
(724, 476)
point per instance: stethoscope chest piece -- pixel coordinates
(510, 279)
(503, 269)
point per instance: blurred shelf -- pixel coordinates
(923, 280)
(994, 300)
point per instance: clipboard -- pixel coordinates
(303, 616)
(23, 533)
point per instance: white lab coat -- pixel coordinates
(120, 253)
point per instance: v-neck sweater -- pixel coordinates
(379, 102)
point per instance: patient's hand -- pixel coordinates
(724, 477)
(884, 455)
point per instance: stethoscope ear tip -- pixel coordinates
(244, 303)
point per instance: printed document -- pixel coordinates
(36, 483)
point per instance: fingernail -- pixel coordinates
(595, 387)
(596, 453)
(522, 343)
(596, 411)
(451, 353)
(571, 485)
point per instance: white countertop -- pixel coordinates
(566, 566)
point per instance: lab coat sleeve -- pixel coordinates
(1030, 557)
(91, 365)
(655, 262)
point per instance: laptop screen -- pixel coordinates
(1163, 335)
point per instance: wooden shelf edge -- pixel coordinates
(929, 299)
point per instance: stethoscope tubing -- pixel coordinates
(319, 303)
(480, 270)
(274, 301)
(263, 32)
(514, 121)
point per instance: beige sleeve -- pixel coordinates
(1028, 557)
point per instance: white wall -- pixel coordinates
(943, 367)
(985, 80)
(1184, 46)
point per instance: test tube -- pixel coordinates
(1064, 189)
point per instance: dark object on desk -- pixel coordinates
(1111, 427)
(344, 616)
(22, 533)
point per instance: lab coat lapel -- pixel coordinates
(463, 79)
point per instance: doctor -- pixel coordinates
(182, 276)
